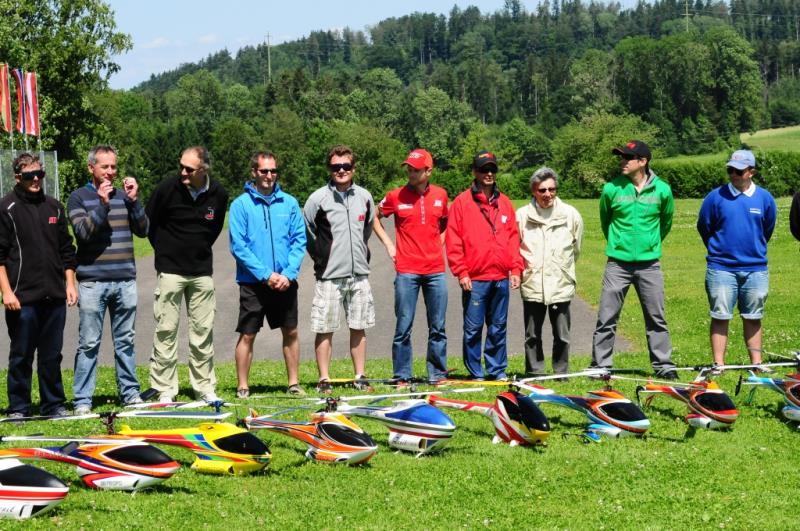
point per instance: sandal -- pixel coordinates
(295, 390)
(324, 387)
(243, 392)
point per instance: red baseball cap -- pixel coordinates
(419, 159)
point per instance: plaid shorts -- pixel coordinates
(353, 293)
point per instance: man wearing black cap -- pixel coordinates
(483, 252)
(635, 215)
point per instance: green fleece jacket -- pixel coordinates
(634, 224)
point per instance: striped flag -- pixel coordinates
(5, 99)
(27, 100)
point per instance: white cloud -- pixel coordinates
(158, 42)
(209, 38)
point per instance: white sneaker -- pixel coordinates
(135, 400)
(82, 410)
(166, 397)
(210, 398)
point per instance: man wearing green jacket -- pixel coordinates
(636, 215)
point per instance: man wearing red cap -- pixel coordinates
(420, 218)
(483, 253)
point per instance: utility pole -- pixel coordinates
(686, 13)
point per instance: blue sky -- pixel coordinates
(167, 33)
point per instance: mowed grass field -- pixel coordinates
(745, 478)
(782, 139)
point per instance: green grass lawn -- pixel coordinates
(742, 479)
(782, 139)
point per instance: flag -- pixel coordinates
(28, 112)
(5, 99)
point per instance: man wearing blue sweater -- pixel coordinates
(268, 241)
(736, 221)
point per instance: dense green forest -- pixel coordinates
(560, 85)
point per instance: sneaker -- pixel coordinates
(401, 383)
(166, 398)
(715, 370)
(324, 387)
(82, 410)
(667, 374)
(243, 392)
(764, 369)
(133, 401)
(295, 390)
(16, 415)
(502, 377)
(361, 383)
(210, 398)
(61, 411)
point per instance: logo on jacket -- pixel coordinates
(52, 220)
(503, 218)
(362, 217)
(754, 210)
(210, 214)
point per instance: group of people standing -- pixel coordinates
(490, 248)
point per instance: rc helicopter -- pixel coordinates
(517, 419)
(788, 387)
(608, 411)
(27, 491)
(330, 437)
(104, 464)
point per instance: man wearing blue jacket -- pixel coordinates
(736, 221)
(268, 241)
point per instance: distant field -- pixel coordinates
(783, 139)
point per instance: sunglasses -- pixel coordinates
(188, 169)
(336, 168)
(731, 169)
(625, 156)
(488, 169)
(30, 175)
(552, 190)
(265, 171)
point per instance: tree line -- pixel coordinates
(525, 84)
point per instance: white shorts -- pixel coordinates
(352, 293)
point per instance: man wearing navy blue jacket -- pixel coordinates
(268, 241)
(736, 221)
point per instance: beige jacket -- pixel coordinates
(550, 247)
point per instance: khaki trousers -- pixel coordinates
(198, 291)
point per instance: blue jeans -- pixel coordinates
(36, 328)
(119, 297)
(727, 288)
(486, 303)
(406, 292)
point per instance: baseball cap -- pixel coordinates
(418, 159)
(636, 148)
(742, 159)
(484, 158)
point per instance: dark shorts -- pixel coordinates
(257, 301)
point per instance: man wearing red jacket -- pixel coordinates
(483, 252)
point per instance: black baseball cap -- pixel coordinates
(636, 148)
(484, 158)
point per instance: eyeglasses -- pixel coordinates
(30, 175)
(489, 169)
(552, 190)
(738, 172)
(336, 168)
(265, 171)
(188, 169)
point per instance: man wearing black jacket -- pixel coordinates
(186, 214)
(37, 275)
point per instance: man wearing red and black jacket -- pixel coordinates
(37, 275)
(186, 216)
(483, 253)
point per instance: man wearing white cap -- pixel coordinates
(420, 218)
(736, 221)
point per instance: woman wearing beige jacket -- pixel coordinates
(550, 232)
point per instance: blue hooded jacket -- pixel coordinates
(267, 234)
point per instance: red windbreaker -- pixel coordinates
(482, 237)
